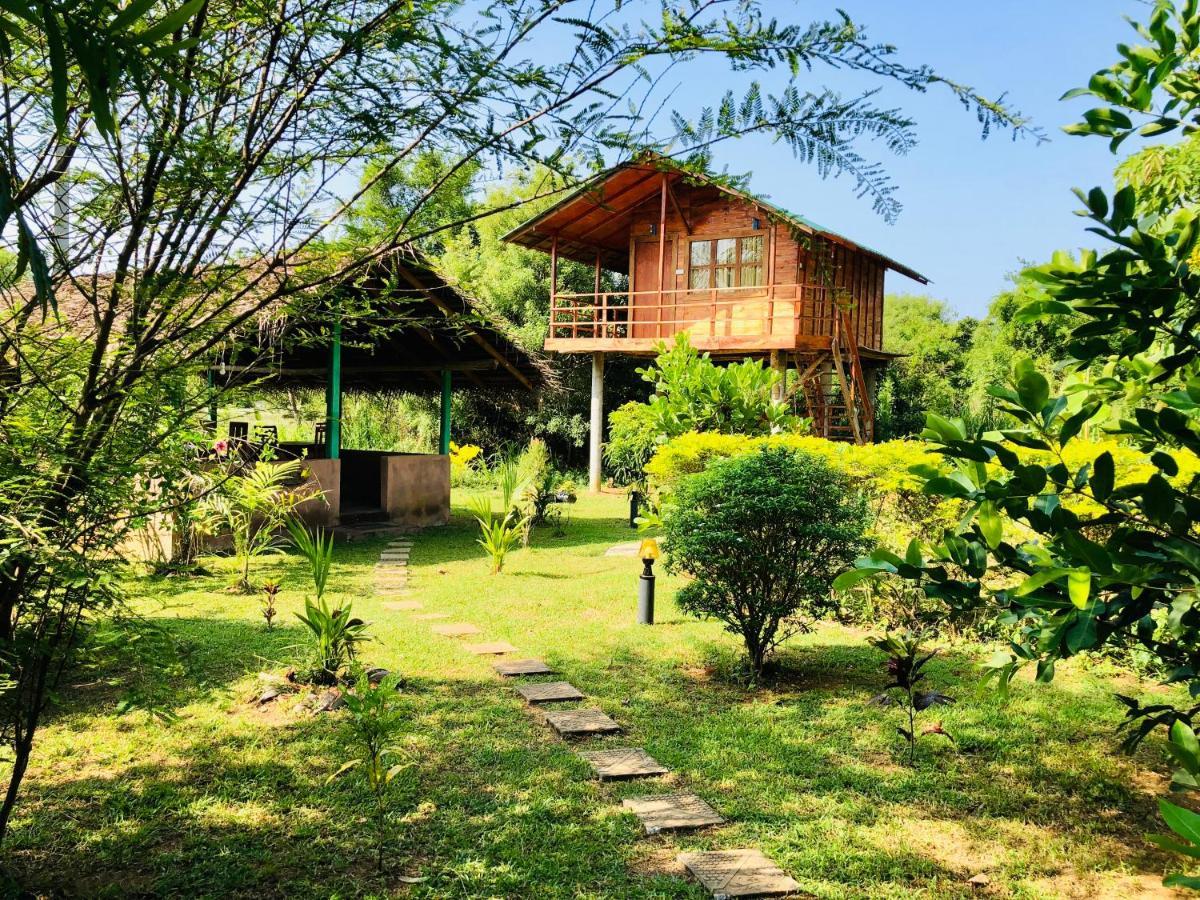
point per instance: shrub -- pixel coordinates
(632, 439)
(693, 393)
(764, 535)
(881, 472)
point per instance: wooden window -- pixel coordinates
(735, 262)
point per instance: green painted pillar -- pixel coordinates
(212, 401)
(444, 441)
(333, 396)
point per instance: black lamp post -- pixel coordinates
(649, 552)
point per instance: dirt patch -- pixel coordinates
(951, 846)
(1072, 886)
(660, 860)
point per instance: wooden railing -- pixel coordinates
(780, 310)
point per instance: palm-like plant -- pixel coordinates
(336, 635)
(252, 506)
(499, 534)
(317, 549)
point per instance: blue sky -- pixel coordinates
(973, 210)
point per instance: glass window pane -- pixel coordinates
(725, 277)
(727, 251)
(698, 279)
(701, 253)
(752, 248)
(751, 276)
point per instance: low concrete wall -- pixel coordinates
(416, 489)
(325, 474)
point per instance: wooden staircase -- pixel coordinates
(835, 389)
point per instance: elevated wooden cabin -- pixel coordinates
(740, 276)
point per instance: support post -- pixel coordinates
(779, 365)
(444, 434)
(212, 402)
(333, 396)
(596, 428)
(662, 251)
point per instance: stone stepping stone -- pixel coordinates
(629, 548)
(739, 873)
(394, 555)
(458, 629)
(404, 605)
(513, 667)
(429, 617)
(626, 762)
(670, 812)
(576, 722)
(491, 648)
(549, 692)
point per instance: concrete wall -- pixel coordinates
(325, 474)
(416, 489)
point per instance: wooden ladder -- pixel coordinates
(859, 411)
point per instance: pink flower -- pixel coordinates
(220, 447)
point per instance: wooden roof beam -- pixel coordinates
(678, 210)
(471, 332)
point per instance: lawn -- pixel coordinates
(231, 799)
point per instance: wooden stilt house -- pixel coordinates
(740, 276)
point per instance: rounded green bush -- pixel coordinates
(763, 536)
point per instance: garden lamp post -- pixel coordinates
(649, 552)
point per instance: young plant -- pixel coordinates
(375, 722)
(905, 666)
(253, 506)
(499, 534)
(270, 591)
(336, 635)
(317, 549)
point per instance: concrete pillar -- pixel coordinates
(779, 364)
(596, 429)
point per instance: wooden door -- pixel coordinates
(650, 320)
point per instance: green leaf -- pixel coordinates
(1103, 476)
(1033, 389)
(853, 577)
(1183, 822)
(170, 22)
(1039, 579)
(1079, 586)
(990, 523)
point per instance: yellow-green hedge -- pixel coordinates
(883, 472)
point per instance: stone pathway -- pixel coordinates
(549, 692)
(739, 873)
(724, 873)
(624, 762)
(491, 648)
(672, 812)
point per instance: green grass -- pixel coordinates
(231, 799)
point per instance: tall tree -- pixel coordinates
(209, 204)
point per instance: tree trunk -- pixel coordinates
(23, 751)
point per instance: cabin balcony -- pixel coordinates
(777, 317)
